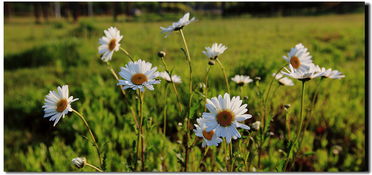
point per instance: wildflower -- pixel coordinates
(214, 51)
(299, 58)
(303, 75)
(333, 74)
(241, 80)
(285, 81)
(109, 43)
(256, 125)
(224, 116)
(138, 75)
(79, 162)
(57, 104)
(209, 138)
(175, 78)
(184, 21)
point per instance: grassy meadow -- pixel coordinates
(40, 57)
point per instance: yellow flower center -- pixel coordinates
(62, 105)
(295, 62)
(208, 135)
(225, 118)
(138, 79)
(112, 44)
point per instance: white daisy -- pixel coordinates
(299, 58)
(184, 21)
(333, 74)
(209, 138)
(214, 51)
(175, 78)
(109, 43)
(241, 79)
(138, 75)
(285, 81)
(57, 104)
(307, 74)
(224, 116)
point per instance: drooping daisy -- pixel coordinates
(209, 138)
(307, 74)
(333, 74)
(184, 21)
(109, 43)
(175, 78)
(241, 80)
(138, 75)
(58, 104)
(214, 51)
(299, 58)
(79, 162)
(285, 81)
(224, 116)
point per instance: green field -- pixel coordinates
(40, 57)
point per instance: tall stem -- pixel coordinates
(116, 77)
(91, 134)
(224, 74)
(141, 131)
(268, 92)
(301, 111)
(190, 99)
(231, 157)
(173, 84)
(300, 127)
(127, 53)
(263, 119)
(206, 86)
(94, 167)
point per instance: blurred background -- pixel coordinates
(55, 43)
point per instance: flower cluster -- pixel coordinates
(223, 116)
(222, 120)
(301, 66)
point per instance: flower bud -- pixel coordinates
(79, 162)
(256, 125)
(336, 149)
(287, 106)
(161, 54)
(211, 62)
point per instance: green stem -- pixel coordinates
(263, 119)
(94, 167)
(173, 84)
(226, 155)
(141, 131)
(190, 98)
(224, 74)
(126, 53)
(301, 111)
(91, 134)
(300, 126)
(206, 86)
(231, 157)
(116, 77)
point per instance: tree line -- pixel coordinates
(42, 11)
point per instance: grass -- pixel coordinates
(38, 58)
